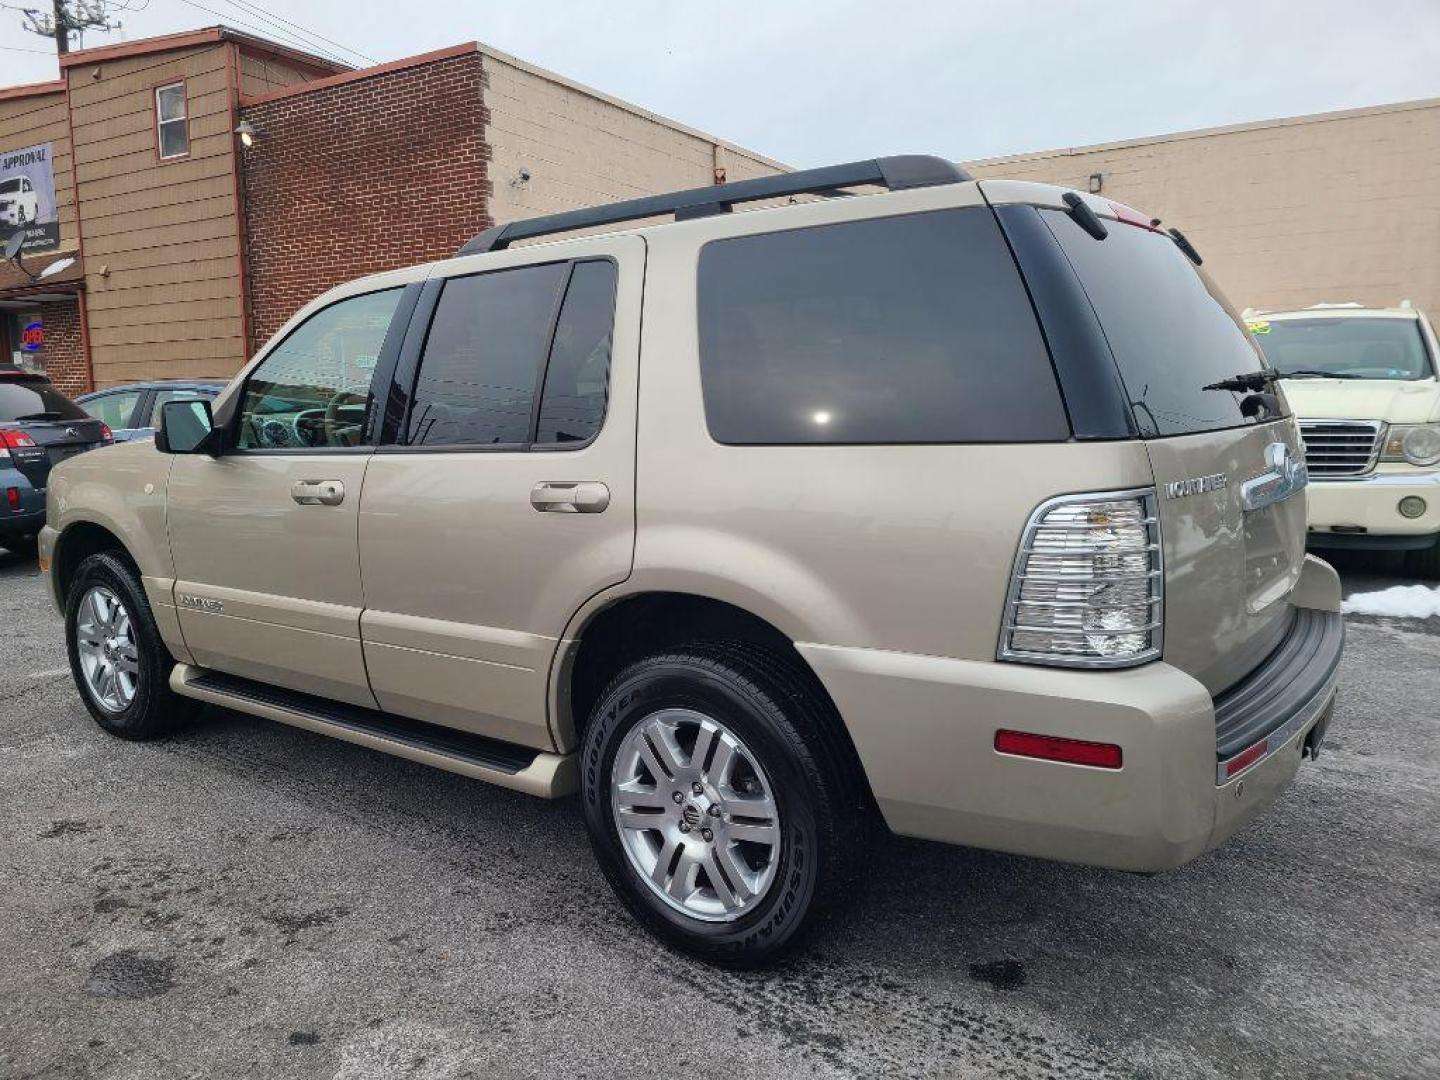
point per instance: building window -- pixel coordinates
(172, 128)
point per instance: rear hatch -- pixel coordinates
(44, 426)
(1229, 567)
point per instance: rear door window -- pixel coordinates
(1170, 328)
(482, 357)
(910, 329)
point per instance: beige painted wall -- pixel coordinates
(582, 147)
(169, 305)
(1334, 207)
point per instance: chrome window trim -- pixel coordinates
(1156, 575)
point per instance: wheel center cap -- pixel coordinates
(692, 815)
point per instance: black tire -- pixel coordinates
(155, 709)
(1424, 563)
(773, 707)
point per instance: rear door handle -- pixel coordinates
(318, 492)
(583, 497)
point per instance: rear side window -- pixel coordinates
(26, 399)
(482, 358)
(1171, 330)
(913, 329)
(498, 338)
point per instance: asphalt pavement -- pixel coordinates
(250, 900)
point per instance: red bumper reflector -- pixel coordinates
(1246, 758)
(1051, 748)
(12, 495)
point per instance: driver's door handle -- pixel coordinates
(318, 492)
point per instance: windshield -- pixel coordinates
(9, 186)
(1355, 348)
(35, 400)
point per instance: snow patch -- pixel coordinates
(1399, 601)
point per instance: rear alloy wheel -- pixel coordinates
(696, 814)
(723, 799)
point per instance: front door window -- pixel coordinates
(313, 390)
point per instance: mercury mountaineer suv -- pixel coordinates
(1364, 383)
(965, 509)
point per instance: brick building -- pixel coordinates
(175, 250)
(1326, 208)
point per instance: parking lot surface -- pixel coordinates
(249, 900)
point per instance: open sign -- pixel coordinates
(32, 338)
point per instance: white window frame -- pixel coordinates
(183, 119)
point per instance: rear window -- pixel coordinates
(1356, 348)
(913, 329)
(22, 400)
(1170, 328)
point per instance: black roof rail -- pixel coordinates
(894, 173)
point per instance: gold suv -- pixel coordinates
(966, 510)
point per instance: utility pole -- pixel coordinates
(70, 15)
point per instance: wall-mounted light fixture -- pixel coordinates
(521, 178)
(247, 134)
(1097, 181)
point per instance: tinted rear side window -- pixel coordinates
(1170, 328)
(483, 355)
(24, 399)
(913, 329)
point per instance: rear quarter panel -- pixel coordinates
(905, 548)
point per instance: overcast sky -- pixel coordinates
(815, 81)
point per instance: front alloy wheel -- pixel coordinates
(696, 814)
(121, 666)
(105, 641)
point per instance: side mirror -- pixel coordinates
(186, 427)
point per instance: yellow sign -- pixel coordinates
(1258, 327)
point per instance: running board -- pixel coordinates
(521, 768)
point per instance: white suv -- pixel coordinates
(19, 205)
(1363, 382)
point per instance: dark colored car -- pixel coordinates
(133, 410)
(39, 426)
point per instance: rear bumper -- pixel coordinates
(30, 516)
(1344, 513)
(925, 729)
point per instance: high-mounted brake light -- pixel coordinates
(1088, 585)
(1053, 748)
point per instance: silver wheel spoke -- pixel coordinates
(660, 873)
(683, 883)
(723, 891)
(703, 738)
(755, 832)
(736, 870)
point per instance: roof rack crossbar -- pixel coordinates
(894, 173)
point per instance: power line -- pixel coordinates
(272, 17)
(37, 52)
(295, 41)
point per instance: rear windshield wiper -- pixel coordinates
(1247, 382)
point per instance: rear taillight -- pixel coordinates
(1088, 585)
(9, 439)
(12, 496)
(106, 435)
